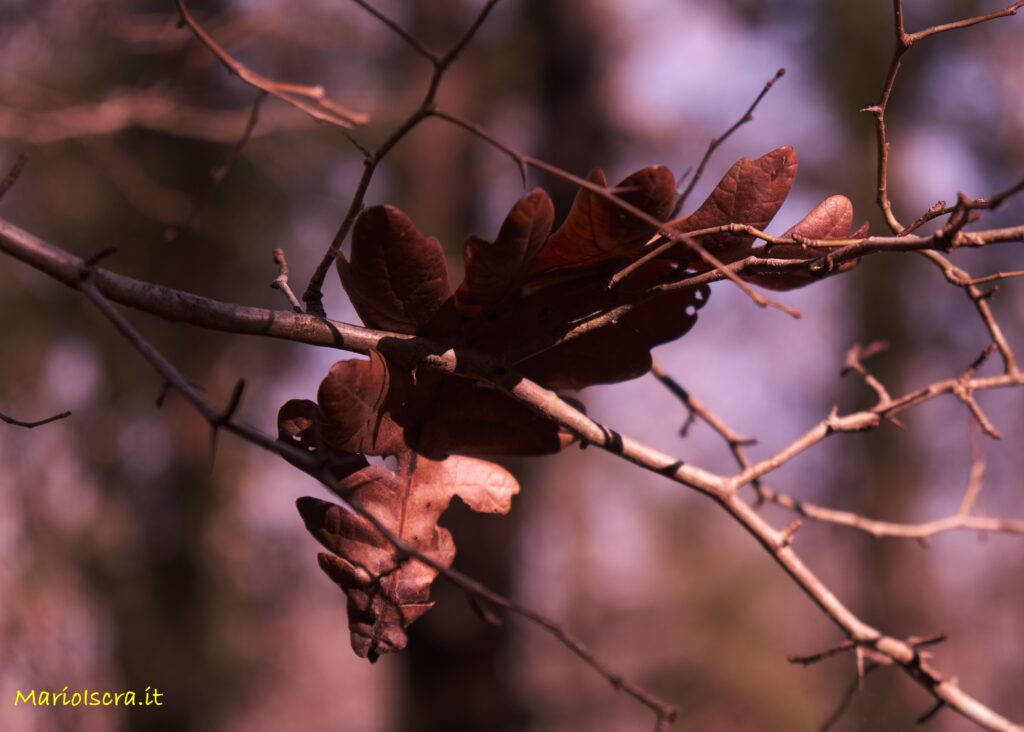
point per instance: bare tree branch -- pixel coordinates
(904, 42)
(320, 469)
(310, 99)
(723, 490)
(313, 296)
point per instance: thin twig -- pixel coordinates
(310, 99)
(313, 296)
(399, 30)
(13, 174)
(32, 425)
(220, 173)
(748, 116)
(281, 281)
(315, 466)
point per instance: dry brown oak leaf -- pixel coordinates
(526, 289)
(521, 293)
(386, 589)
(751, 193)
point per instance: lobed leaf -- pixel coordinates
(397, 278)
(386, 589)
(596, 229)
(493, 270)
(751, 192)
(359, 406)
(830, 219)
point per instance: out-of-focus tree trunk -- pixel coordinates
(459, 673)
(883, 469)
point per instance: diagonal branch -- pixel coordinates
(609, 195)
(748, 116)
(421, 352)
(313, 295)
(312, 100)
(320, 469)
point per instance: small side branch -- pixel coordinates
(224, 420)
(748, 116)
(281, 281)
(313, 296)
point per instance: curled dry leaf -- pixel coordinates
(523, 294)
(298, 425)
(386, 589)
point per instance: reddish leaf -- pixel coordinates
(397, 278)
(367, 407)
(596, 229)
(751, 192)
(830, 219)
(298, 426)
(494, 270)
(464, 417)
(359, 406)
(621, 350)
(386, 590)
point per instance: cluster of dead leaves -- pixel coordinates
(521, 292)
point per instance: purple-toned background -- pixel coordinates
(127, 562)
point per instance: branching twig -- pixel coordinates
(313, 295)
(879, 529)
(310, 99)
(904, 42)
(418, 351)
(315, 466)
(281, 281)
(218, 174)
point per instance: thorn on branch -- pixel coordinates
(927, 716)
(928, 640)
(224, 418)
(789, 533)
(483, 609)
(846, 645)
(281, 281)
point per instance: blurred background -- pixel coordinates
(127, 562)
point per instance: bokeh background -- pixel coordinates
(127, 562)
